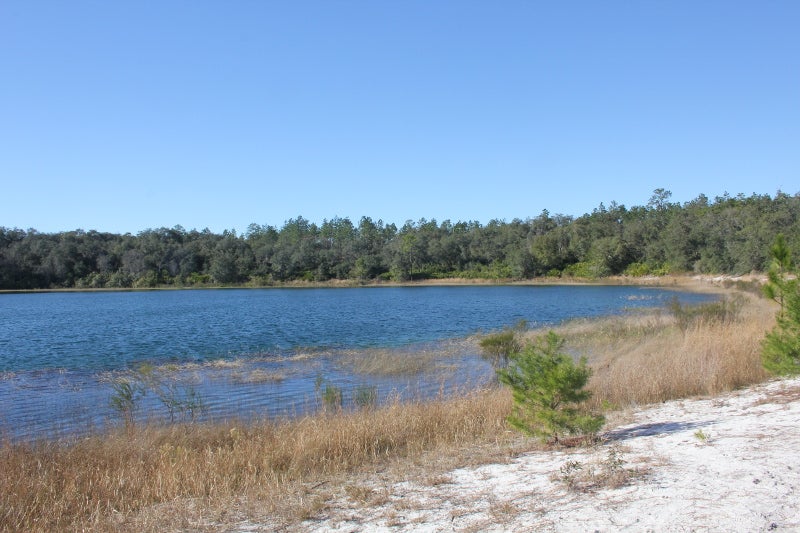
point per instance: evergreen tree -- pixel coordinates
(548, 390)
(781, 349)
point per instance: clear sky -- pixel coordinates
(126, 115)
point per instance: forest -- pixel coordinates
(724, 235)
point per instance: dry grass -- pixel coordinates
(649, 359)
(257, 375)
(601, 473)
(204, 477)
(114, 481)
(435, 357)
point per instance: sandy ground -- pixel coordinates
(729, 463)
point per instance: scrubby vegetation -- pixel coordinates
(498, 347)
(547, 387)
(727, 234)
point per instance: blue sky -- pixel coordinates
(122, 116)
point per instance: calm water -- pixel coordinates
(254, 353)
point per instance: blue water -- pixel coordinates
(59, 352)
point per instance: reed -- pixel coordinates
(106, 482)
(657, 356)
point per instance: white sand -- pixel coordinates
(730, 463)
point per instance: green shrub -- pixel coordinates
(365, 396)
(637, 270)
(548, 391)
(497, 347)
(125, 399)
(329, 394)
(332, 397)
(180, 400)
(196, 278)
(781, 349)
(587, 269)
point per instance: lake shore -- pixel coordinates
(698, 282)
(414, 465)
(723, 463)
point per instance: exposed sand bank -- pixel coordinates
(716, 464)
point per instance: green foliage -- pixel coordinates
(702, 436)
(781, 349)
(723, 235)
(587, 270)
(329, 394)
(125, 398)
(643, 269)
(778, 284)
(498, 347)
(548, 391)
(365, 396)
(332, 397)
(128, 391)
(185, 401)
(195, 278)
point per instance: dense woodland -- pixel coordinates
(725, 235)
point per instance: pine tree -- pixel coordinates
(548, 390)
(781, 349)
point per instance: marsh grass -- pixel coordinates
(208, 477)
(111, 481)
(654, 359)
(434, 358)
(257, 375)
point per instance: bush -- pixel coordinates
(365, 396)
(330, 395)
(587, 269)
(781, 349)
(637, 270)
(498, 347)
(125, 399)
(548, 390)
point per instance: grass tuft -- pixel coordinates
(109, 481)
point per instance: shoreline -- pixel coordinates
(704, 463)
(452, 462)
(683, 281)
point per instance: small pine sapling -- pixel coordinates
(548, 391)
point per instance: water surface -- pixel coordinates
(261, 352)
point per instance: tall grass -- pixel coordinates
(104, 482)
(660, 356)
(196, 476)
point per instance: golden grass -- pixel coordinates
(648, 359)
(257, 375)
(207, 477)
(106, 482)
(406, 361)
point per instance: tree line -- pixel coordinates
(727, 234)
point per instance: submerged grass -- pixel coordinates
(428, 358)
(210, 476)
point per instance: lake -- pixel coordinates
(252, 353)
